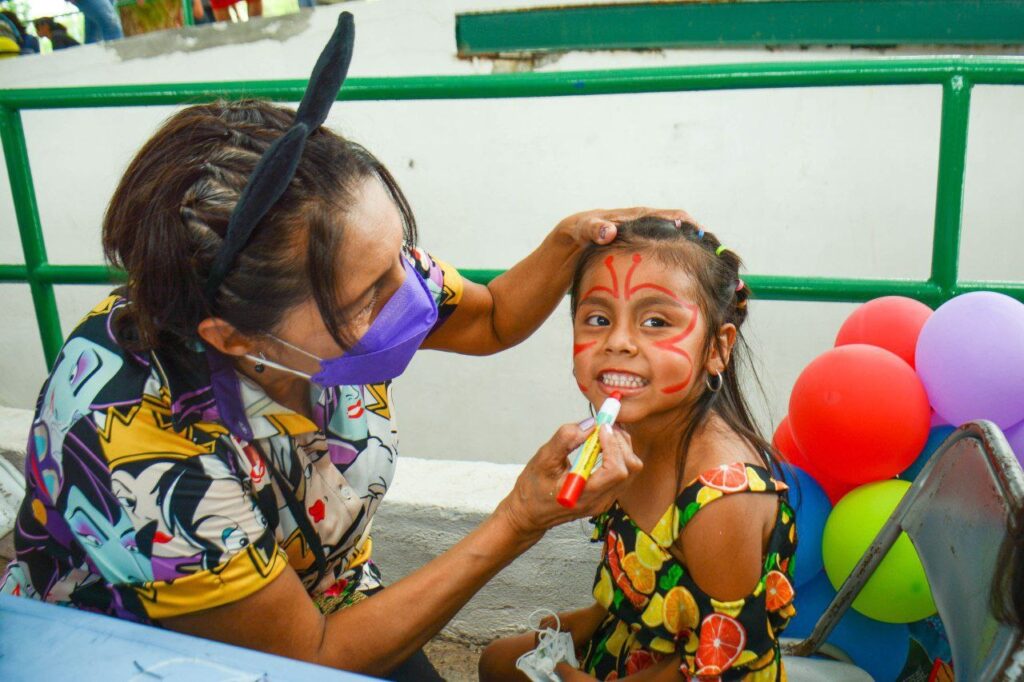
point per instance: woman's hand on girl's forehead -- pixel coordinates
(600, 225)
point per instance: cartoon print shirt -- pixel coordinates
(148, 492)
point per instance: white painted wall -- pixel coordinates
(807, 182)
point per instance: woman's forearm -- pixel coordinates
(407, 614)
(378, 633)
(526, 294)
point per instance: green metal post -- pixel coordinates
(12, 135)
(949, 194)
(187, 17)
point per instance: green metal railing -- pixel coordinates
(661, 25)
(956, 76)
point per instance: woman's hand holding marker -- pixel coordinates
(532, 507)
(587, 456)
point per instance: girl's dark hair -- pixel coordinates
(722, 298)
(167, 219)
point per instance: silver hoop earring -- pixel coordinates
(717, 386)
(260, 367)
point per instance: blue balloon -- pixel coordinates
(812, 508)
(936, 437)
(880, 649)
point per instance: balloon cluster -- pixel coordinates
(864, 418)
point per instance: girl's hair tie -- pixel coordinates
(700, 233)
(721, 248)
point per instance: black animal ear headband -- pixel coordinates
(277, 166)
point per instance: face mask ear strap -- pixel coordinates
(262, 363)
(294, 348)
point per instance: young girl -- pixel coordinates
(694, 580)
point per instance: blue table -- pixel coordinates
(40, 641)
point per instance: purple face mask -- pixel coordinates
(386, 348)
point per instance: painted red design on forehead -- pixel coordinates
(630, 290)
(609, 263)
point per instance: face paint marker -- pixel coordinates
(585, 458)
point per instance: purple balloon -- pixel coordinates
(970, 357)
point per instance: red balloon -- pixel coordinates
(835, 490)
(784, 442)
(859, 413)
(890, 322)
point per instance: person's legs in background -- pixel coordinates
(92, 29)
(102, 21)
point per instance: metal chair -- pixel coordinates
(956, 513)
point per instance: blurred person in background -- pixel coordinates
(102, 22)
(57, 34)
(27, 43)
(222, 8)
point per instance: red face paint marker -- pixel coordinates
(585, 458)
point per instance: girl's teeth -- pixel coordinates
(622, 380)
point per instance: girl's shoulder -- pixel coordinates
(717, 445)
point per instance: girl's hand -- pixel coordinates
(601, 225)
(531, 507)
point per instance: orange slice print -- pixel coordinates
(681, 612)
(639, 660)
(721, 641)
(641, 576)
(778, 591)
(614, 552)
(729, 478)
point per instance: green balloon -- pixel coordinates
(898, 591)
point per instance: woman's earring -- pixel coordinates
(716, 386)
(260, 367)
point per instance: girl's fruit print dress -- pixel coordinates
(656, 609)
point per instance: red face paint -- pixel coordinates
(630, 290)
(614, 291)
(578, 348)
(670, 346)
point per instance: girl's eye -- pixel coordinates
(596, 321)
(654, 322)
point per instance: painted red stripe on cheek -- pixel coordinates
(583, 389)
(578, 348)
(689, 374)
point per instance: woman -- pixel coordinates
(212, 444)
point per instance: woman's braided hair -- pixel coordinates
(168, 216)
(720, 293)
